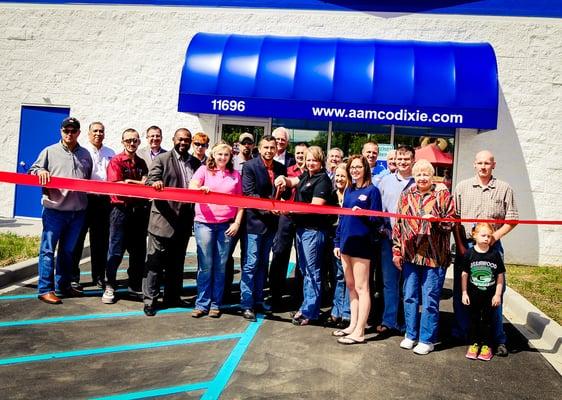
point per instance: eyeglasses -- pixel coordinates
(69, 131)
(130, 141)
(356, 167)
(197, 144)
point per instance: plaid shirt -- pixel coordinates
(493, 201)
(420, 241)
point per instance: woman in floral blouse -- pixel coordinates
(421, 250)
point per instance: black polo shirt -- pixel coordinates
(317, 185)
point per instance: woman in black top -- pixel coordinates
(314, 187)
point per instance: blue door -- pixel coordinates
(39, 127)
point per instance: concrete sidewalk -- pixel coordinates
(21, 226)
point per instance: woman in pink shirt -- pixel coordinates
(215, 227)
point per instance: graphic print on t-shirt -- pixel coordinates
(481, 274)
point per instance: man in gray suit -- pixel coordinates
(153, 148)
(169, 226)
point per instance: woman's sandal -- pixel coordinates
(339, 333)
(295, 314)
(346, 340)
(300, 321)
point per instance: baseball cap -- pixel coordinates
(245, 136)
(70, 121)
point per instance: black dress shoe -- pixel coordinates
(249, 315)
(149, 311)
(70, 292)
(176, 303)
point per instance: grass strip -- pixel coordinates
(14, 248)
(542, 286)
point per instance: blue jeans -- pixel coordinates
(254, 270)
(310, 247)
(62, 228)
(213, 248)
(462, 316)
(429, 281)
(340, 305)
(391, 282)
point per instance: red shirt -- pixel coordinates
(293, 171)
(121, 167)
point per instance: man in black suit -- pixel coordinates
(258, 176)
(281, 136)
(169, 226)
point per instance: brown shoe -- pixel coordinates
(50, 298)
(198, 313)
(214, 313)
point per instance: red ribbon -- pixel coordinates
(197, 196)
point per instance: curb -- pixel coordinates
(18, 272)
(24, 270)
(543, 334)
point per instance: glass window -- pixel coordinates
(351, 137)
(437, 145)
(315, 133)
(231, 132)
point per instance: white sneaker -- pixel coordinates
(407, 344)
(423, 348)
(108, 296)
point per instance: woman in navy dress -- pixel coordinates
(354, 243)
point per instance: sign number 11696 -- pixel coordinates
(228, 105)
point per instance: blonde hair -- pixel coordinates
(212, 163)
(423, 165)
(317, 153)
(342, 166)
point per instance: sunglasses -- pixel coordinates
(200, 144)
(131, 141)
(69, 131)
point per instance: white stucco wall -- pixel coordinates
(121, 65)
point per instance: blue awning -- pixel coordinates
(407, 83)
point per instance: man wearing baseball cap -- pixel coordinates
(63, 211)
(246, 147)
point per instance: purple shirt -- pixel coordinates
(219, 182)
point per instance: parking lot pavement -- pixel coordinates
(86, 349)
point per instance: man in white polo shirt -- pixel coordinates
(97, 213)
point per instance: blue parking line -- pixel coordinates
(74, 318)
(225, 373)
(88, 317)
(88, 293)
(116, 349)
(157, 392)
(214, 387)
